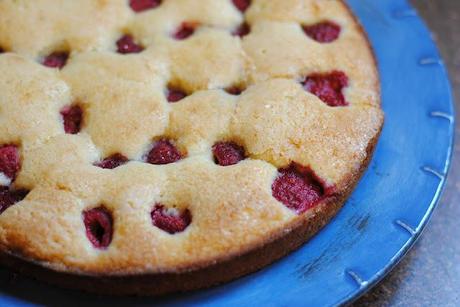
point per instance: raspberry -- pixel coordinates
(73, 117)
(99, 227)
(297, 188)
(323, 32)
(242, 30)
(9, 161)
(143, 5)
(56, 60)
(168, 221)
(328, 87)
(235, 90)
(127, 45)
(10, 197)
(163, 152)
(242, 5)
(112, 161)
(228, 153)
(174, 95)
(185, 30)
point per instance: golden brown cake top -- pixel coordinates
(151, 136)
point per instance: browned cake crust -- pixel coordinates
(197, 278)
(126, 272)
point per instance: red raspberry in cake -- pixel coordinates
(185, 30)
(10, 197)
(9, 161)
(170, 220)
(297, 188)
(323, 32)
(143, 5)
(242, 5)
(235, 90)
(174, 95)
(99, 227)
(163, 152)
(126, 44)
(228, 153)
(56, 60)
(73, 117)
(2, 50)
(242, 30)
(328, 87)
(112, 161)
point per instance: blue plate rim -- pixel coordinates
(380, 275)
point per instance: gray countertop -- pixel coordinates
(430, 274)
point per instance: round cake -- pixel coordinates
(153, 146)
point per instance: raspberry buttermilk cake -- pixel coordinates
(152, 146)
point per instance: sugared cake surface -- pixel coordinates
(148, 136)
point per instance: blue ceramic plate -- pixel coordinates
(384, 216)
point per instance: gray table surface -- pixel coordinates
(430, 274)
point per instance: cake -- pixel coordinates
(156, 146)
